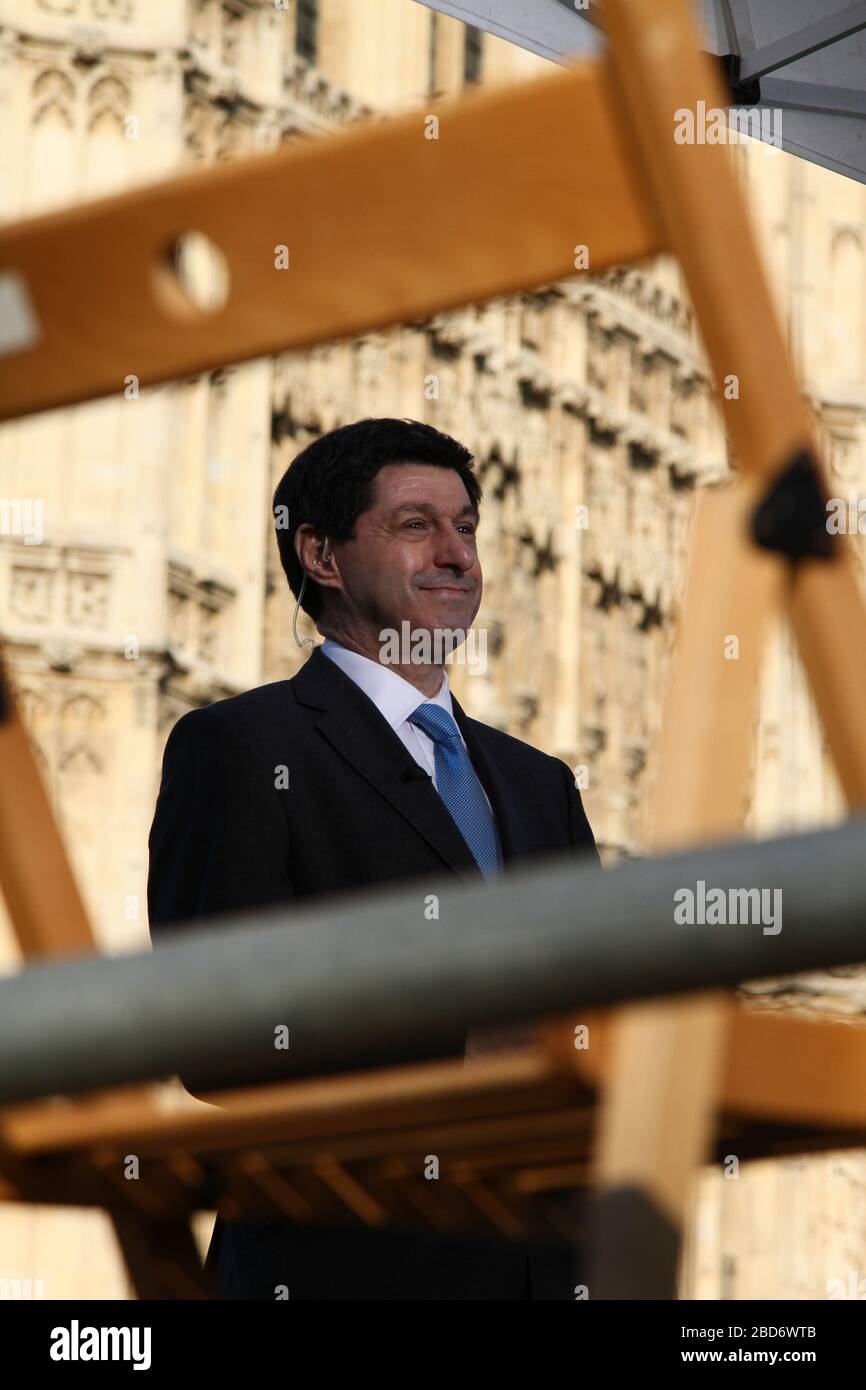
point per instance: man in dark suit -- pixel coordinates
(362, 769)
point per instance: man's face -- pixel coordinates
(413, 558)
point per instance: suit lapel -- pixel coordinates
(359, 733)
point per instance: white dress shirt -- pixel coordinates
(395, 698)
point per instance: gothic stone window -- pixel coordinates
(472, 54)
(307, 30)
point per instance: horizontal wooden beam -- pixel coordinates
(780, 1068)
(320, 1108)
(324, 239)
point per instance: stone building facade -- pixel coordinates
(156, 585)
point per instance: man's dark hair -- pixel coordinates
(330, 484)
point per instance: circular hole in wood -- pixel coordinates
(192, 277)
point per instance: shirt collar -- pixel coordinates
(394, 696)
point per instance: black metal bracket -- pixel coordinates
(792, 517)
(742, 93)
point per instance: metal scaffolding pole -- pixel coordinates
(399, 975)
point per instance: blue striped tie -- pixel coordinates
(458, 785)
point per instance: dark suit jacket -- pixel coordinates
(225, 838)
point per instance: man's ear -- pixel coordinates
(300, 536)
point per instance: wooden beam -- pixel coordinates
(784, 1067)
(734, 593)
(45, 908)
(657, 1113)
(380, 225)
(780, 1066)
(323, 1106)
(826, 611)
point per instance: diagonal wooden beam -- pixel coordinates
(656, 1115)
(380, 224)
(826, 611)
(734, 594)
(45, 908)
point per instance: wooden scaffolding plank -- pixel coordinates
(380, 224)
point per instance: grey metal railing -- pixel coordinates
(361, 980)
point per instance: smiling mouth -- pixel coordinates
(446, 588)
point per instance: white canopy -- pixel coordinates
(804, 58)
